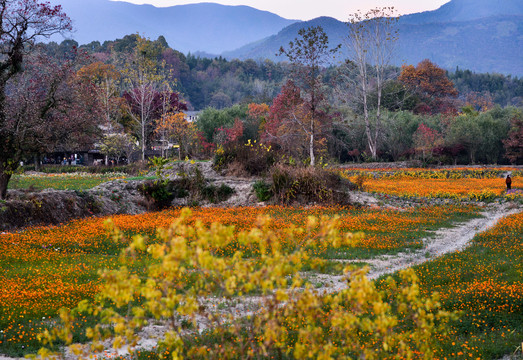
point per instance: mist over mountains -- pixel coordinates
(204, 27)
(480, 35)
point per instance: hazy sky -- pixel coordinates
(309, 9)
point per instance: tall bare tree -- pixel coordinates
(144, 80)
(370, 41)
(309, 53)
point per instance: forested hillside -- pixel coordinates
(220, 83)
(425, 112)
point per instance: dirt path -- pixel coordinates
(443, 242)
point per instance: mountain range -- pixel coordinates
(480, 35)
(203, 27)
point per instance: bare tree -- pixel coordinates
(309, 53)
(144, 80)
(371, 40)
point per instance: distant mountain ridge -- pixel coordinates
(207, 27)
(480, 35)
(465, 10)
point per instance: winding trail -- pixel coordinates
(443, 242)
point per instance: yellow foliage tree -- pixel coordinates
(197, 287)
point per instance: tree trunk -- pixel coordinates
(371, 141)
(311, 144)
(143, 141)
(37, 162)
(4, 181)
(311, 150)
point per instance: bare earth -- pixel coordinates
(443, 242)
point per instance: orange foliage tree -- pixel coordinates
(256, 119)
(105, 78)
(431, 84)
(176, 128)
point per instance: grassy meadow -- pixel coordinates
(62, 181)
(45, 268)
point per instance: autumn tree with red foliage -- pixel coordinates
(514, 142)
(431, 84)
(21, 23)
(229, 135)
(426, 140)
(289, 123)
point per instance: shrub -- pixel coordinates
(263, 190)
(162, 193)
(359, 181)
(256, 159)
(309, 184)
(216, 194)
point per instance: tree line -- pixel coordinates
(123, 96)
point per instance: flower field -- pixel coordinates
(46, 268)
(65, 181)
(485, 282)
(456, 183)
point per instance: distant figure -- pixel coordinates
(508, 182)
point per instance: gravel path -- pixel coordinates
(443, 242)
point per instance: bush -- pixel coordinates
(216, 194)
(309, 184)
(263, 190)
(162, 193)
(255, 159)
(192, 184)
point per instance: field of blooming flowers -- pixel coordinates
(455, 183)
(62, 181)
(485, 282)
(46, 268)
(43, 269)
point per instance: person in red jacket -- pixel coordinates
(508, 181)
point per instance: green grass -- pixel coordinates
(485, 283)
(61, 181)
(80, 263)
